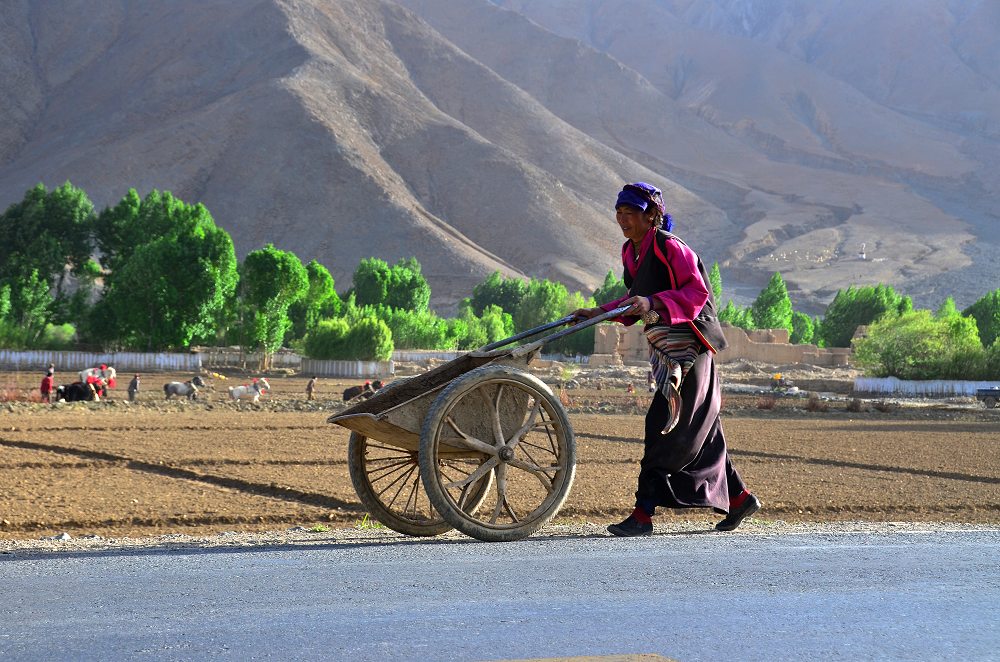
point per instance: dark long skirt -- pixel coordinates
(689, 467)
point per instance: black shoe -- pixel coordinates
(750, 505)
(631, 527)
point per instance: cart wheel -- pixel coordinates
(497, 420)
(387, 480)
(990, 402)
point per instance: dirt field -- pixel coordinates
(113, 469)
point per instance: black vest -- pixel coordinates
(653, 275)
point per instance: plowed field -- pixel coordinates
(114, 469)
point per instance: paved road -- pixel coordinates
(684, 595)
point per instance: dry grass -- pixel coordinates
(815, 404)
(856, 405)
(767, 402)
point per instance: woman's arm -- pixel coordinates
(690, 293)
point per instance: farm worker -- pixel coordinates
(46, 387)
(310, 388)
(687, 465)
(133, 388)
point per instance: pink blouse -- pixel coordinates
(678, 305)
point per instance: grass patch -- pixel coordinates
(369, 523)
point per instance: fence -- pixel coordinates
(348, 368)
(229, 357)
(38, 359)
(418, 355)
(934, 388)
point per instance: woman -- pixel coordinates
(685, 463)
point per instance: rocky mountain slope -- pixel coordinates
(480, 136)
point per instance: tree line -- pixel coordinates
(155, 273)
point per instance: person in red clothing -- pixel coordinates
(685, 462)
(47, 385)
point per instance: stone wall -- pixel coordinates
(627, 345)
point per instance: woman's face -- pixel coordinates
(634, 222)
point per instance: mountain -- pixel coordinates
(479, 136)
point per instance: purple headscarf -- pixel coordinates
(641, 195)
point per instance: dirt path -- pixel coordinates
(113, 469)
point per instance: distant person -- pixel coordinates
(311, 387)
(133, 388)
(685, 462)
(631, 389)
(47, 385)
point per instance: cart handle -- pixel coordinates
(525, 334)
(533, 346)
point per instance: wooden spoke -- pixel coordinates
(495, 418)
(470, 441)
(475, 475)
(536, 471)
(501, 474)
(527, 427)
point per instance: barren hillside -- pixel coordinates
(478, 137)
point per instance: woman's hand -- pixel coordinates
(639, 306)
(581, 314)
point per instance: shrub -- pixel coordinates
(328, 340)
(370, 340)
(856, 405)
(814, 404)
(767, 402)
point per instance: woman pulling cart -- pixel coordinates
(685, 462)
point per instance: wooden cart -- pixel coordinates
(477, 444)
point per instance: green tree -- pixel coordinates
(471, 331)
(612, 288)
(856, 307)
(328, 340)
(498, 291)
(772, 309)
(802, 329)
(715, 281)
(544, 301)
(29, 304)
(271, 280)
(320, 301)
(947, 309)
(916, 345)
(370, 340)
(737, 316)
(986, 312)
(580, 342)
(170, 289)
(408, 289)
(400, 286)
(47, 233)
(413, 329)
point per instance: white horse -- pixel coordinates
(254, 390)
(188, 389)
(105, 372)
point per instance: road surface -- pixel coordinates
(688, 595)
